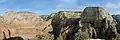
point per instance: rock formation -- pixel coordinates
(95, 21)
(27, 17)
(64, 15)
(100, 21)
(44, 17)
(25, 24)
(92, 23)
(117, 18)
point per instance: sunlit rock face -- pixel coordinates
(92, 23)
(24, 24)
(98, 23)
(65, 14)
(96, 13)
(95, 22)
(27, 17)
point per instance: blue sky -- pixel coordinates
(45, 7)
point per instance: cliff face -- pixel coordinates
(26, 17)
(24, 24)
(117, 18)
(65, 15)
(92, 23)
(97, 23)
(96, 13)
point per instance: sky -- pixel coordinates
(46, 7)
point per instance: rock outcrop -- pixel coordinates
(92, 23)
(65, 14)
(95, 13)
(98, 23)
(25, 24)
(44, 17)
(117, 18)
(24, 17)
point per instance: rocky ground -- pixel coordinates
(91, 23)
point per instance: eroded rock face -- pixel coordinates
(24, 24)
(101, 21)
(65, 29)
(92, 23)
(27, 17)
(117, 18)
(95, 21)
(65, 14)
(95, 13)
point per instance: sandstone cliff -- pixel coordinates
(25, 24)
(92, 23)
(65, 14)
(24, 17)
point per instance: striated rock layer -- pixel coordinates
(92, 23)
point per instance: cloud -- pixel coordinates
(3, 1)
(68, 5)
(93, 5)
(69, 1)
(115, 13)
(3, 10)
(112, 5)
(23, 9)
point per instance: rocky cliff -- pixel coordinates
(92, 23)
(24, 24)
(117, 18)
(97, 23)
(65, 14)
(27, 17)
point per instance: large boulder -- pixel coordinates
(101, 21)
(95, 13)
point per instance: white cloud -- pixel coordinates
(112, 8)
(108, 7)
(113, 5)
(3, 1)
(115, 13)
(68, 5)
(24, 9)
(69, 1)
(94, 5)
(3, 10)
